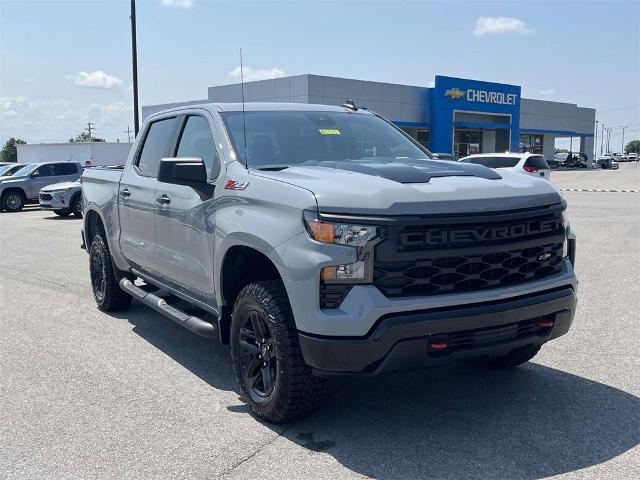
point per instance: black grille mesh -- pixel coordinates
(408, 264)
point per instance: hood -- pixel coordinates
(61, 186)
(415, 188)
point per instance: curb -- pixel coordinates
(597, 190)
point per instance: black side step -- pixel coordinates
(195, 324)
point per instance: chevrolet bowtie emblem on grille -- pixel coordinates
(455, 93)
(543, 257)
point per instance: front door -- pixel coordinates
(41, 177)
(137, 197)
(185, 219)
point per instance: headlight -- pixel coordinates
(567, 229)
(361, 237)
(340, 233)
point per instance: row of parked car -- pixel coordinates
(54, 185)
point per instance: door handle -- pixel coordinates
(125, 193)
(163, 199)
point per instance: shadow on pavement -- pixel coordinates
(454, 422)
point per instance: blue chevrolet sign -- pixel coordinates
(451, 95)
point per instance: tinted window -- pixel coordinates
(537, 161)
(284, 138)
(196, 141)
(156, 146)
(45, 171)
(493, 162)
(65, 168)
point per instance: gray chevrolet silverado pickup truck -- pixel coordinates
(320, 240)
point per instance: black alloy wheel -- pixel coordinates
(259, 362)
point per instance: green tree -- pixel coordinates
(84, 137)
(9, 151)
(633, 147)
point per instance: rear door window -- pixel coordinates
(493, 162)
(196, 141)
(156, 146)
(65, 168)
(537, 161)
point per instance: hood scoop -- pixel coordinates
(416, 171)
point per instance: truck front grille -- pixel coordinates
(457, 255)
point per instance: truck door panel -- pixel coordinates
(185, 224)
(137, 197)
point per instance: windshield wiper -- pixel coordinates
(272, 168)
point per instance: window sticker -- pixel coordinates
(329, 131)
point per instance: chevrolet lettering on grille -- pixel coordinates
(466, 235)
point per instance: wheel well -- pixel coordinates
(14, 190)
(241, 266)
(94, 226)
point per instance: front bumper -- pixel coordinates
(53, 200)
(404, 340)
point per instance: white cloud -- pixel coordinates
(500, 25)
(251, 75)
(56, 120)
(97, 79)
(547, 92)
(177, 3)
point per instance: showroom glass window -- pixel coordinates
(531, 143)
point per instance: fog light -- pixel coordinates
(353, 271)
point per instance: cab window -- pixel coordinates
(156, 146)
(196, 141)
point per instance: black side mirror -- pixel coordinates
(35, 174)
(183, 171)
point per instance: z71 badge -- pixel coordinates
(233, 185)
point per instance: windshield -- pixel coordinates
(493, 162)
(276, 140)
(9, 170)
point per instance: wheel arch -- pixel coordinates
(241, 265)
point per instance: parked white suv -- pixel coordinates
(527, 163)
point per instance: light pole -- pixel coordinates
(595, 145)
(622, 148)
(134, 63)
(601, 139)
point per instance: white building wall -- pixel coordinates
(98, 153)
(548, 146)
(488, 141)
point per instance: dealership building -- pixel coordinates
(456, 116)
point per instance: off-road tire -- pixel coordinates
(104, 278)
(62, 212)
(76, 207)
(296, 390)
(9, 199)
(513, 358)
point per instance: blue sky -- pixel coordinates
(63, 63)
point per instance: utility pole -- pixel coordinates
(595, 145)
(602, 139)
(128, 132)
(90, 127)
(622, 148)
(134, 63)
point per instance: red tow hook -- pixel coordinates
(438, 343)
(543, 323)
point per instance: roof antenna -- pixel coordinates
(350, 104)
(244, 121)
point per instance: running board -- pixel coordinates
(195, 324)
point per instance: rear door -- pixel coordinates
(537, 165)
(185, 219)
(137, 196)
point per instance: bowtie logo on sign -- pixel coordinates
(481, 96)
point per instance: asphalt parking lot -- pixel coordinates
(84, 394)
